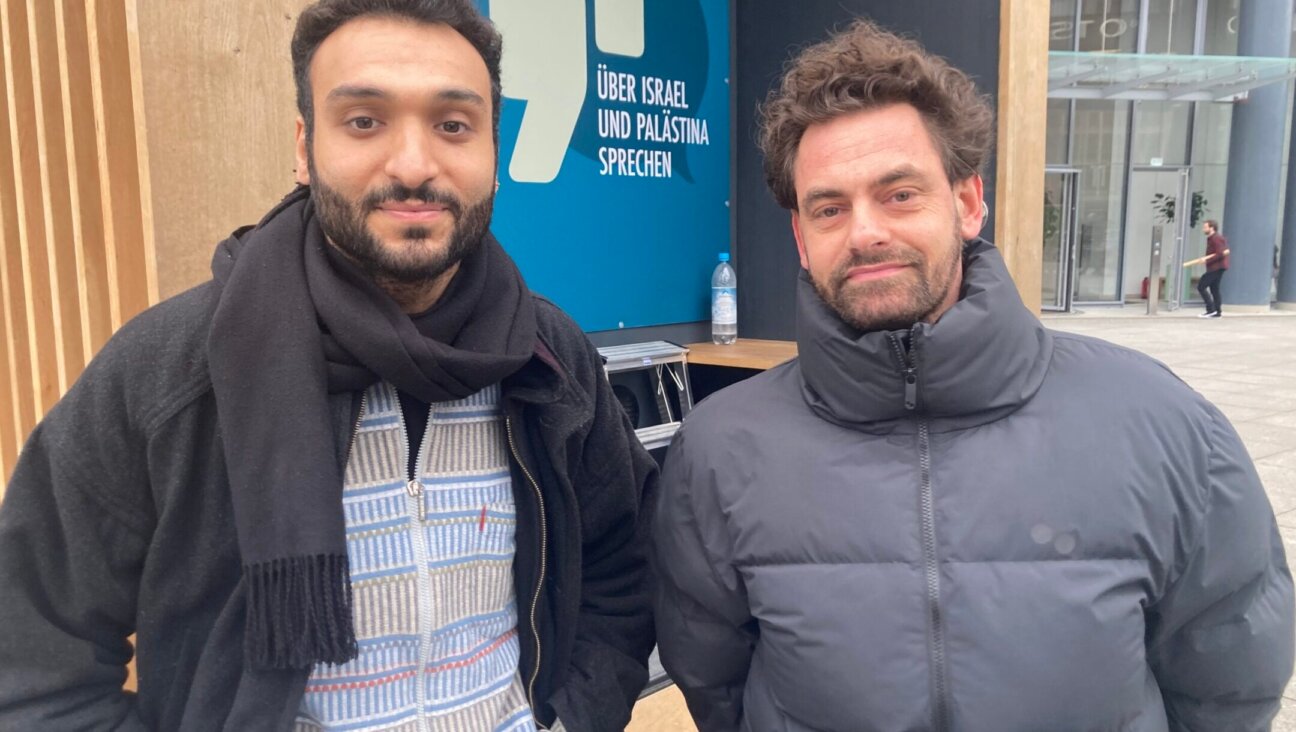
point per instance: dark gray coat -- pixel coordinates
(118, 520)
(989, 527)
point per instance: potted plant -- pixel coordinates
(1163, 207)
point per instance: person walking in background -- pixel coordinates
(1217, 261)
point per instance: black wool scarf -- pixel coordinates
(295, 322)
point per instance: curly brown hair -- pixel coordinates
(865, 67)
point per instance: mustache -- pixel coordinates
(399, 193)
(879, 256)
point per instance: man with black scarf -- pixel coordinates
(363, 476)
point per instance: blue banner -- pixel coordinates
(614, 154)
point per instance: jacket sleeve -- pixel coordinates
(1221, 638)
(614, 634)
(705, 631)
(70, 563)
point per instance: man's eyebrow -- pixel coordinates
(359, 91)
(460, 94)
(815, 195)
(352, 91)
(904, 172)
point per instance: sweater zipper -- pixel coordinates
(544, 551)
(931, 564)
(414, 489)
(355, 428)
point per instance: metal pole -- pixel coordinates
(1154, 272)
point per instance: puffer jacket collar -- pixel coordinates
(983, 359)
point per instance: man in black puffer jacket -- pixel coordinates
(943, 516)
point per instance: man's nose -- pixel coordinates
(867, 226)
(412, 160)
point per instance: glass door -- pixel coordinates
(1159, 197)
(1058, 266)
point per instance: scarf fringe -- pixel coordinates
(299, 612)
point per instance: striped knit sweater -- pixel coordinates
(432, 577)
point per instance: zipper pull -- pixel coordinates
(908, 371)
(415, 491)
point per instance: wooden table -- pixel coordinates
(747, 353)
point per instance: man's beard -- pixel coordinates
(418, 260)
(867, 306)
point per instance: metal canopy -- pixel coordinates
(1162, 78)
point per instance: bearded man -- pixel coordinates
(941, 515)
(363, 478)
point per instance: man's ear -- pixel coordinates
(303, 169)
(800, 242)
(969, 203)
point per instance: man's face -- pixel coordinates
(878, 225)
(401, 161)
(1207, 229)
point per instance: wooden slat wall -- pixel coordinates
(1023, 106)
(75, 208)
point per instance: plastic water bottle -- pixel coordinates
(724, 302)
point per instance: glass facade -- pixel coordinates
(1221, 27)
(1171, 26)
(1110, 26)
(1100, 152)
(1058, 134)
(1141, 164)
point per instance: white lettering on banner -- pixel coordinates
(663, 93)
(635, 163)
(546, 65)
(614, 124)
(667, 128)
(615, 86)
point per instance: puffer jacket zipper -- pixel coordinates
(908, 362)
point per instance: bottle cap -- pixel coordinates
(724, 256)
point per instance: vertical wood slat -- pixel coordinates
(21, 415)
(15, 411)
(132, 270)
(83, 175)
(75, 210)
(56, 202)
(39, 304)
(1023, 103)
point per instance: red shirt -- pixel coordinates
(1216, 244)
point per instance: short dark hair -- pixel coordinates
(865, 67)
(321, 19)
(1213, 224)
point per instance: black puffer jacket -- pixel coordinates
(990, 527)
(118, 520)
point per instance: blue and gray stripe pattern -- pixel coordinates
(431, 576)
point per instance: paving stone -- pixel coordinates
(1285, 459)
(1280, 485)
